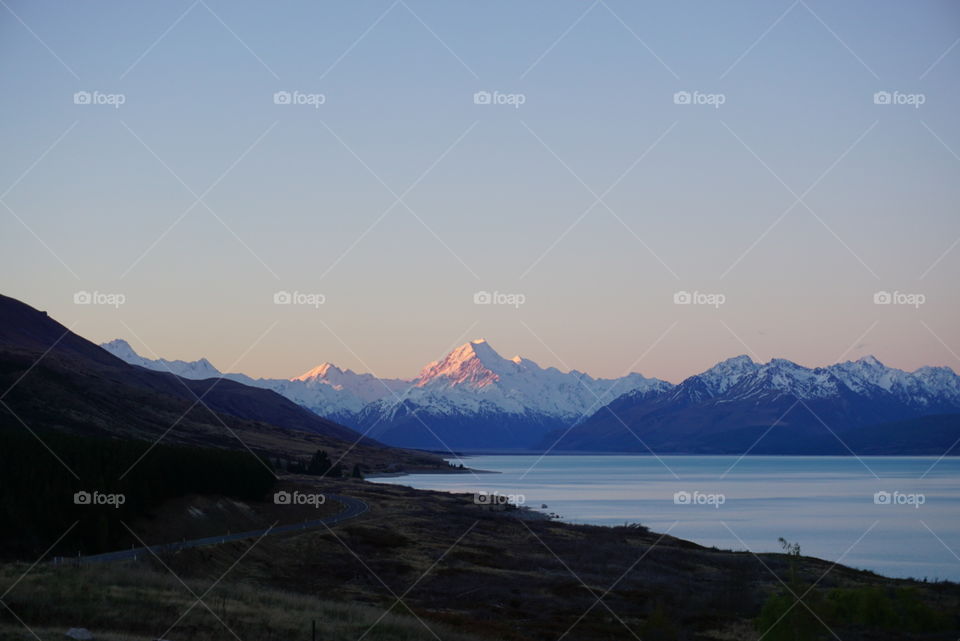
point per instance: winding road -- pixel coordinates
(353, 508)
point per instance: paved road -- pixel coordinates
(353, 507)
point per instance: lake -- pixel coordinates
(897, 516)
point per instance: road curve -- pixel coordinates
(353, 508)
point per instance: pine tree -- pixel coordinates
(319, 464)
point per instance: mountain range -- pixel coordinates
(57, 381)
(474, 399)
(780, 407)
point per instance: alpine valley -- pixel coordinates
(475, 400)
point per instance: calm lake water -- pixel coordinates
(829, 505)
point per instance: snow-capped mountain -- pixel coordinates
(925, 388)
(198, 370)
(775, 406)
(475, 371)
(326, 390)
(741, 378)
(340, 394)
(473, 398)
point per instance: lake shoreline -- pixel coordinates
(827, 503)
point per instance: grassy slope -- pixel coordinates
(130, 603)
(505, 579)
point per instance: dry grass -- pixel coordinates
(469, 573)
(132, 601)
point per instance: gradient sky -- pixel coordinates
(296, 198)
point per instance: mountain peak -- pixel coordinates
(477, 348)
(870, 360)
(727, 373)
(119, 346)
(736, 365)
(783, 362)
(484, 352)
(197, 370)
(323, 370)
(474, 362)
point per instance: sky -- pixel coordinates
(557, 177)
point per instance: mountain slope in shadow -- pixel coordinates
(53, 379)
